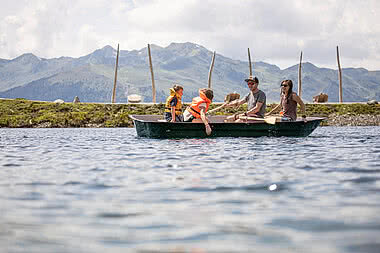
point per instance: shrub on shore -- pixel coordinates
(33, 114)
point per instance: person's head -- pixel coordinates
(252, 82)
(178, 89)
(207, 92)
(287, 87)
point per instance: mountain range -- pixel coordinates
(91, 77)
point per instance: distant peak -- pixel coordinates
(106, 51)
(184, 45)
(309, 64)
(27, 57)
(154, 46)
(107, 48)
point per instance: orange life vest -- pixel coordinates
(194, 107)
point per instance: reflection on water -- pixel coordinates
(106, 190)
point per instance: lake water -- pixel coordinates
(106, 190)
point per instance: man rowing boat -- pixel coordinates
(255, 99)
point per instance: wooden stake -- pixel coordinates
(340, 76)
(299, 77)
(210, 71)
(115, 80)
(250, 63)
(151, 73)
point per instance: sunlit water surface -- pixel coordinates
(106, 190)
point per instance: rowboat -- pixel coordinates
(153, 126)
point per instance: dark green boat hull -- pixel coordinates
(149, 126)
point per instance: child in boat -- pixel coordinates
(288, 103)
(196, 112)
(173, 107)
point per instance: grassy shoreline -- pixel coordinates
(21, 113)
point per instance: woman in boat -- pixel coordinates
(173, 107)
(288, 103)
(196, 112)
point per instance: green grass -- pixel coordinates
(26, 113)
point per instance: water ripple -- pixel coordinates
(362, 180)
(114, 192)
(118, 215)
(272, 187)
(318, 225)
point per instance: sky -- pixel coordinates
(275, 31)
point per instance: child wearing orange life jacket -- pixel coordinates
(173, 106)
(196, 112)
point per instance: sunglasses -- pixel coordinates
(251, 83)
(284, 85)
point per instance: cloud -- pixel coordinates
(275, 31)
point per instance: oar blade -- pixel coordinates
(268, 120)
(272, 120)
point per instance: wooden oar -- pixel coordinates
(268, 120)
(217, 108)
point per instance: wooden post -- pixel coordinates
(299, 77)
(210, 71)
(250, 63)
(340, 76)
(115, 80)
(151, 73)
